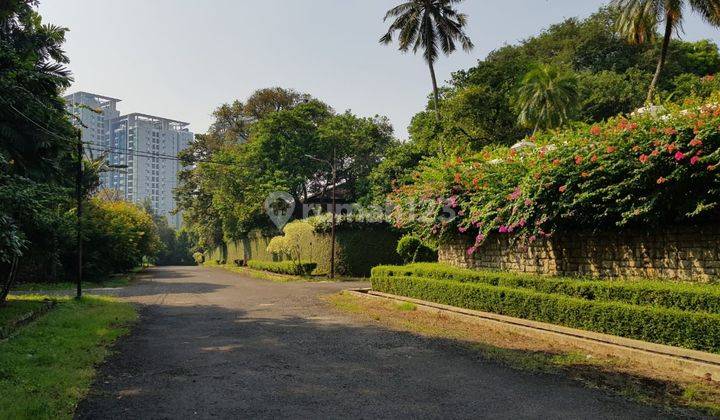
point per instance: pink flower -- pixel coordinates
(528, 202)
(694, 160)
(532, 239)
(453, 201)
(462, 229)
(562, 188)
(696, 142)
(515, 194)
(679, 156)
(661, 180)
(461, 213)
(479, 239)
(471, 250)
(503, 229)
(522, 223)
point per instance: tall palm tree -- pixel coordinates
(547, 96)
(434, 26)
(639, 19)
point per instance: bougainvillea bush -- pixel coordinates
(651, 169)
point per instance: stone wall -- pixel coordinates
(690, 253)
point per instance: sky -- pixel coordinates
(181, 59)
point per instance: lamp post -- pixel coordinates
(78, 197)
(333, 170)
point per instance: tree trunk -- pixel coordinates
(663, 56)
(436, 94)
(9, 280)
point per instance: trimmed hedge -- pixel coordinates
(283, 267)
(689, 297)
(700, 331)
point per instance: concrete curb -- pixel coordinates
(657, 356)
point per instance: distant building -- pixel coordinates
(142, 148)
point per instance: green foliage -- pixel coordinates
(48, 366)
(694, 330)
(284, 267)
(118, 236)
(645, 171)
(688, 297)
(199, 257)
(411, 249)
(547, 97)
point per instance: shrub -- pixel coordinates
(690, 297)
(199, 257)
(283, 267)
(700, 331)
(644, 171)
(411, 249)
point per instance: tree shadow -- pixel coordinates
(210, 361)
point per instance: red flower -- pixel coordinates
(562, 188)
(475, 181)
(679, 156)
(661, 180)
(696, 142)
(670, 131)
(593, 158)
(644, 158)
(578, 160)
(610, 149)
(694, 160)
(595, 130)
(671, 147)
(457, 177)
(655, 152)
(556, 162)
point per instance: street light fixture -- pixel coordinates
(333, 170)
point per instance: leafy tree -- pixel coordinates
(547, 96)
(427, 25)
(639, 20)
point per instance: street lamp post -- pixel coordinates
(78, 197)
(333, 170)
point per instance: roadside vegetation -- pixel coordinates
(641, 310)
(47, 367)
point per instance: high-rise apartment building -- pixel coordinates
(141, 148)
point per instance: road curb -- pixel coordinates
(657, 356)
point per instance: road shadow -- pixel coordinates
(209, 361)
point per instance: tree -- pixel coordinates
(639, 20)
(547, 96)
(427, 24)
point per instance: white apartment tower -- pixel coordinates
(142, 147)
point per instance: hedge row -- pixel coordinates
(689, 297)
(283, 267)
(700, 331)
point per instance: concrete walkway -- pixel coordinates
(216, 344)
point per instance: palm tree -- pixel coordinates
(547, 96)
(428, 24)
(639, 19)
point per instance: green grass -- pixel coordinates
(48, 366)
(18, 306)
(405, 306)
(120, 280)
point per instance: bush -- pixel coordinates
(690, 297)
(411, 249)
(199, 257)
(700, 331)
(645, 171)
(284, 267)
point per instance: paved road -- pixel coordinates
(216, 344)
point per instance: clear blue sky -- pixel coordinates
(183, 58)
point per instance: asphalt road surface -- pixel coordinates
(215, 344)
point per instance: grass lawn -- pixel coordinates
(47, 366)
(680, 395)
(120, 280)
(18, 306)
